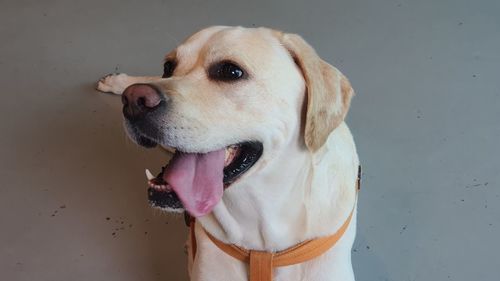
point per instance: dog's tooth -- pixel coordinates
(158, 187)
(149, 175)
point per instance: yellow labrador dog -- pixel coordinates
(263, 159)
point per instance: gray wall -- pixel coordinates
(425, 119)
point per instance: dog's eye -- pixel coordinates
(225, 71)
(168, 68)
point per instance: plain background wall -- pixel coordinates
(425, 119)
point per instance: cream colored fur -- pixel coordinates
(293, 102)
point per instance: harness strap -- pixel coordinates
(261, 266)
(261, 263)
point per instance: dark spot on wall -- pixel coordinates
(403, 229)
(476, 184)
(54, 213)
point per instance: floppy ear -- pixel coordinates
(329, 92)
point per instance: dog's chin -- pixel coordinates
(165, 200)
(238, 160)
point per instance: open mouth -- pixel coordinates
(195, 181)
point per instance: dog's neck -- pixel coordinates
(297, 197)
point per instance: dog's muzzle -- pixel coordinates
(194, 181)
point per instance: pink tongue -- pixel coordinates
(197, 180)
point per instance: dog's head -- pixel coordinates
(230, 100)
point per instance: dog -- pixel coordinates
(263, 158)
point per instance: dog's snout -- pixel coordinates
(139, 99)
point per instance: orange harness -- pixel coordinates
(261, 263)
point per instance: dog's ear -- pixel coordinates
(329, 92)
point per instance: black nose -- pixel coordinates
(139, 99)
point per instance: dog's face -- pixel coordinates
(230, 100)
(225, 87)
